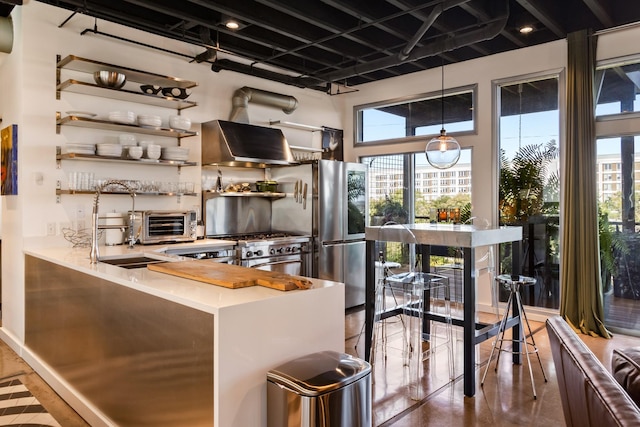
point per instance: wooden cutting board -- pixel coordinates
(230, 276)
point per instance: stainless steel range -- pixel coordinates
(280, 252)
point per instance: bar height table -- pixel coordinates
(467, 237)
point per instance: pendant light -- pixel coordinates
(443, 151)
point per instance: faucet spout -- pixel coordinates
(94, 253)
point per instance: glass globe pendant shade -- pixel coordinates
(443, 151)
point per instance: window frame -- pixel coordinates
(358, 109)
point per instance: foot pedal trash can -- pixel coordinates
(325, 389)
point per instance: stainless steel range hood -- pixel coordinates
(239, 144)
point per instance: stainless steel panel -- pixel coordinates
(287, 214)
(331, 200)
(241, 144)
(140, 359)
(344, 262)
(349, 406)
(236, 215)
(354, 273)
(287, 265)
(330, 262)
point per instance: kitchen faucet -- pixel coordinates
(94, 253)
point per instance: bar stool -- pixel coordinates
(424, 292)
(418, 289)
(514, 285)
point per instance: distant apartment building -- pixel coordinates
(609, 176)
(431, 183)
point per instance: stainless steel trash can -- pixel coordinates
(325, 389)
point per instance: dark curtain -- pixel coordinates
(581, 301)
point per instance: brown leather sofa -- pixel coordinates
(590, 394)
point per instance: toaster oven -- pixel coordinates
(165, 226)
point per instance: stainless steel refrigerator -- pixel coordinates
(327, 199)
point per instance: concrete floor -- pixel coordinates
(505, 399)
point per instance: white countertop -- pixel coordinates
(443, 234)
(199, 295)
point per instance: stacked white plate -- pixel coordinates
(124, 117)
(151, 121)
(80, 148)
(110, 150)
(179, 122)
(175, 153)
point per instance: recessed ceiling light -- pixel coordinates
(232, 24)
(525, 29)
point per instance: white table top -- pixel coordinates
(444, 234)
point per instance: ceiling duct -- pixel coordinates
(244, 95)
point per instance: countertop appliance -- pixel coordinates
(330, 204)
(157, 226)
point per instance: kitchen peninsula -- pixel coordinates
(139, 347)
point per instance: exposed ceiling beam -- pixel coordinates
(440, 44)
(179, 14)
(599, 10)
(315, 20)
(544, 17)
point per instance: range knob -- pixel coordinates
(280, 250)
(249, 254)
(272, 251)
(288, 248)
(259, 253)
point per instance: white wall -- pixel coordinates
(29, 100)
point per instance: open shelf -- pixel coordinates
(264, 194)
(157, 193)
(85, 88)
(93, 157)
(77, 63)
(85, 122)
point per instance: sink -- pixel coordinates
(133, 261)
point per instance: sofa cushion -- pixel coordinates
(625, 365)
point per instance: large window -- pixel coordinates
(617, 82)
(618, 183)
(418, 116)
(529, 128)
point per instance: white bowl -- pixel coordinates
(153, 151)
(179, 122)
(135, 152)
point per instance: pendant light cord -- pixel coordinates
(442, 95)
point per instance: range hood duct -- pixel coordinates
(236, 144)
(244, 95)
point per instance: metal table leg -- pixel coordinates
(469, 322)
